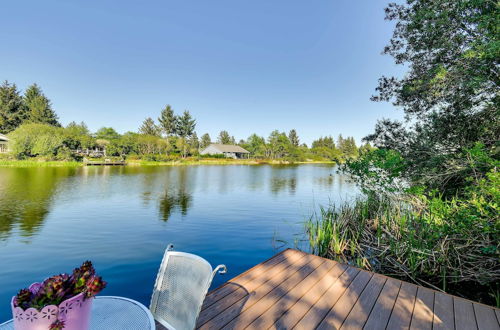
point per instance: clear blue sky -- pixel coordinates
(242, 66)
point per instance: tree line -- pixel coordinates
(35, 131)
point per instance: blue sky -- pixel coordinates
(239, 65)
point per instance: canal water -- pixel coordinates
(122, 218)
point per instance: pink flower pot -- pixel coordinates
(74, 312)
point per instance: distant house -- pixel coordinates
(230, 151)
(3, 143)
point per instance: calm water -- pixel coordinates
(121, 218)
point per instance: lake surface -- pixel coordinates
(122, 218)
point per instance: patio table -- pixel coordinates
(109, 313)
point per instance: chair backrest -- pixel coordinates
(181, 285)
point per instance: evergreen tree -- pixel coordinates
(185, 129)
(324, 142)
(168, 121)
(194, 142)
(224, 138)
(149, 127)
(39, 107)
(12, 109)
(294, 138)
(185, 125)
(205, 141)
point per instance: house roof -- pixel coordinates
(3, 137)
(229, 148)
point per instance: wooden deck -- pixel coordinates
(296, 290)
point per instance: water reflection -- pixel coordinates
(26, 196)
(176, 195)
(284, 178)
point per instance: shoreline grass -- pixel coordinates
(446, 245)
(39, 163)
(139, 162)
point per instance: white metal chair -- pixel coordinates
(181, 285)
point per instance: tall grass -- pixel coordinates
(38, 163)
(449, 245)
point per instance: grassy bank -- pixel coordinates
(38, 163)
(139, 162)
(219, 161)
(448, 245)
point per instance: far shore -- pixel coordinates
(177, 162)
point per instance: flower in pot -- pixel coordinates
(59, 302)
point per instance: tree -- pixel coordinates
(278, 145)
(365, 148)
(77, 136)
(107, 133)
(256, 145)
(30, 140)
(324, 142)
(294, 138)
(347, 147)
(185, 129)
(205, 141)
(168, 121)
(194, 142)
(12, 109)
(39, 107)
(325, 147)
(149, 127)
(224, 138)
(450, 91)
(185, 125)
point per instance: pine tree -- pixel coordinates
(224, 138)
(205, 141)
(185, 129)
(149, 127)
(39, 107)
(194, 142)
(12, 109)
(168, 121)
(294, 138)
(185, 125)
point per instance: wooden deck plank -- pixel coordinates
(383, 306)
(270, 279)
(269, 317)
(248, 276)
(485, 317)
(295, 290)
(403, 308)
(443, 312)
(361, 310)
(246, 317)
(422, 312)
(319, 310)
(464, 314)
(254, 295)
(293, 315)
(339, 312)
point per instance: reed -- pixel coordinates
(449, 245)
